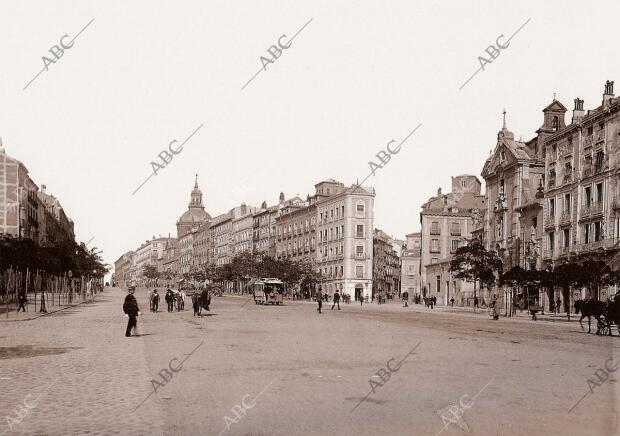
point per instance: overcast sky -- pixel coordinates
(360, 74)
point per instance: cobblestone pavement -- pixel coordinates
(287, 370)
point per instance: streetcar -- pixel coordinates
(268, 291)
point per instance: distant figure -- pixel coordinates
(169, 300)
(361, 299)
(150, 300)
(196, 304)
(493, 305)
(155, 301)
(452, 301)
(21, 300)
(319, 299)
(130, 307)
(558, 304)
(476, 303)
(43, 308)
(336, 299)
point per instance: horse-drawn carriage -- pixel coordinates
(606, 314)
(268, 291)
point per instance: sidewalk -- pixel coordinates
(9, 313)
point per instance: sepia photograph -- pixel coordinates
(278, 218)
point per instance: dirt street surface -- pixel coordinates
(287, 370)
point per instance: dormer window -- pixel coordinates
(502, 156)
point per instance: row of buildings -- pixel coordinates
(552, 198)
(27, 210)
(331, 229)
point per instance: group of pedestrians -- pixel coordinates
(131, 309)
(336, 300)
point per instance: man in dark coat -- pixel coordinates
(336, 299)
(170, 300)
(319, 299)
(21, 299)
(155, 301)
(130, 307)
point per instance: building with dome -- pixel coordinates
(195, 215)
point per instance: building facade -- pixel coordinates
(447, 220)
(344, 238)
(411, 281)
(386, 268)
(581, 205)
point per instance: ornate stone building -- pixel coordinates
(582, 192)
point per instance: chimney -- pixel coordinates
(578, 112)
(609, 92)
(439, 192)
(43, 188)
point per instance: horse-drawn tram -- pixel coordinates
(268, 291)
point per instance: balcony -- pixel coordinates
(568, 178)
(588, 140)
(550, 221)
(435, 250)
(455, 232)
(435, 231)
(591, 246)
(592, 209)
(587, 170)
(551, 183)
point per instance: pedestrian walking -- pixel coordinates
(361, 299)
(494, 310)
(476, 303)
(319, 299)
(130, 307)
(21, 301)
(336, 299)
(43, 308)
(452, 301)
(169, 300)
(558, 303)
(155, 301)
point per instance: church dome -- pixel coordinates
(195, 213)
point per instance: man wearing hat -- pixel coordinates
(130, 307)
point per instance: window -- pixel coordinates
(438, 283)
(455, 245)
(566, 206)
(551, 241)
(599, 192)
(463, 183)
(359, 231)
(434, 260)
(435, 228)
(435, 245)
(566, 238)
(552, 207)
(360, 209)
(598, 161)
(455, 229)
(359, 251)
(598, 234)
(359, 271)
(586, 233)
(587, 196)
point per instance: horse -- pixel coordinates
(201, 301)
(590, 308)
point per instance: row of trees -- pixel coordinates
(473, 263)
(59, 259)
(246, 266)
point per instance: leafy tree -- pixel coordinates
(150, 272)
(473, 263)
